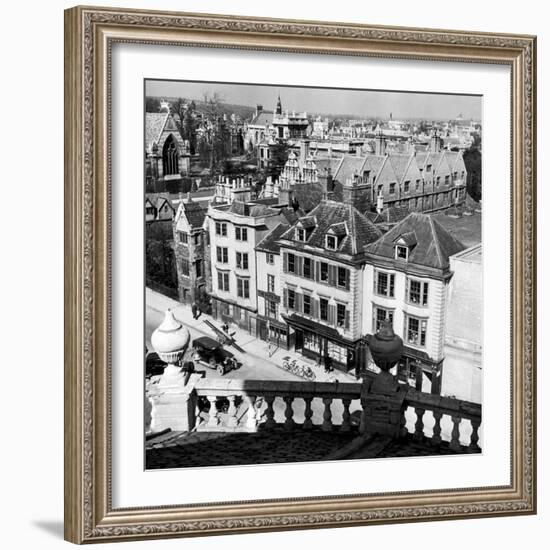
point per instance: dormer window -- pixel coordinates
(404, 244)
(301, 235)
(332, 242)
(401, 252)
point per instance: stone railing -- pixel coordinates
(441, 418)
(249, 405)
(233, 405)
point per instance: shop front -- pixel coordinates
(272, 331)
(318, 342)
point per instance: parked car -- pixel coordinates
(210, 353)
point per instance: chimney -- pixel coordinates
(304, 151)
(380, 143)
(259, 109)
(380, 203)
(327, 184)
(436, 142)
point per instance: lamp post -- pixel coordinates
(382, 398)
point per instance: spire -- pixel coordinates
(279, 108)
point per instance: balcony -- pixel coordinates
(263, 421)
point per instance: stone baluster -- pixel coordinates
(251, 414)
(327, 415)
(474, 438)
(289, 413)
(232, 420)
(213, 419)
(403, 424)
(269, 412)
(419, 426)
(436, 438)
(346, 424)
(455, 434)
(308, 413)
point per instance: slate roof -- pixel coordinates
(433, 246)
(193, 211)
(154, 124)
(263, 118)
(250, 209)
(360, 231)
(270, 242)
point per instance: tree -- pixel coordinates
(277, 158)
(472, 161)
(152, 105)
(212, 107)
(185, 121)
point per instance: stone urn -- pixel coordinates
(170, 341)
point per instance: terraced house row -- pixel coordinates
(317, 283)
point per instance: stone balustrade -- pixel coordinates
(251, 405)
(443, 418)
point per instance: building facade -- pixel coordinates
(190, 249)
(406, 282)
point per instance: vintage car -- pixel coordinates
(210, 353)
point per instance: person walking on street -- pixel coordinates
(194, 310)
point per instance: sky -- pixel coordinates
(363, 103)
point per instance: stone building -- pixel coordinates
(190, 249)
(321, 282)
(464, 327)
(167, 157)
(234, 231)
(406, 281)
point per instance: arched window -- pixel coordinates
(170, 156)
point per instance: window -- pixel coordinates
(291, 263)
(242, 260)
(170, 156)
(401, 252)
(380, 187)
(392, 188)
(185, 267)
(301, 234)
(269, 258)
(417, 185)
(437, 181)
(307, 304)
(271, 308)
(221, 229)
(223, 281)
(182, 237)
(197, 239)
(447, 179)
(291, 298)
(241, 233)
(406, 186)
(150, 210)
(222, 255)
(323, 272)
(429, 168)
(332, 242)
(343, 277)
(243, 288)
(341, 315)
(198, 268)
(308, 271)
(366, 174)
(417, 292)
(323, 309)
(271, 283)
(380, 315)
(415, 331)
(384, 284)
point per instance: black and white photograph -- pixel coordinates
(313, 274)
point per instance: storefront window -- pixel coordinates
(337, 353)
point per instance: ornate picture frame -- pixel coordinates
(90, 34)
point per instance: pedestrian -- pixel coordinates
(194, 310)
(328, 363)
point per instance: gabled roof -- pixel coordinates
(360, 232)
(193, 213)
(339, 229)
(409, 238)
(307, 222)
(154, 125)
(263, 118)
(433, 247)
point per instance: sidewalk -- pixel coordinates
(260, 364)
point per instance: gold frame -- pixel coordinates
(89, 34)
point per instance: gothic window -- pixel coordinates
(170, 156)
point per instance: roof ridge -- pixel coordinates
(436, 241)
